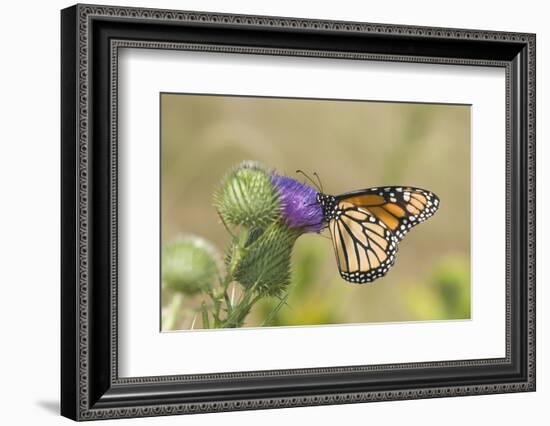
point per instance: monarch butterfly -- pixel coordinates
(367, 225)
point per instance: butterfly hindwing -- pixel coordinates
(364, 246)
(399, 207)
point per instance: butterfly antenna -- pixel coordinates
(311, 180)
(319, 180)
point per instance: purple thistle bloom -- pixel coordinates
(299, 204)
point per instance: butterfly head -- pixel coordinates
(328, 205)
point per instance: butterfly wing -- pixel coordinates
(399, 207)
(364, 246)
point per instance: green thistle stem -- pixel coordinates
(173, 315)
(241, 310)
(235, 315)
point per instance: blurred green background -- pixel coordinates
(351, 145)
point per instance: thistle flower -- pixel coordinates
(300, 208)
(274, 211)
(247, 197)
(189, 265)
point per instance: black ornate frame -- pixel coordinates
(91, 37)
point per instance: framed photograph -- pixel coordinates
(263, 212)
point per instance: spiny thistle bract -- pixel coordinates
(264, 263)
(189, 265)
(247, 197)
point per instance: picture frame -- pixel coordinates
(91, 37)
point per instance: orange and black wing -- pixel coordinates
(364, 246)
(398, 207)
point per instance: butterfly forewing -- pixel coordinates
(398, 207)
(364, 246)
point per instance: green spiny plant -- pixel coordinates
(264, 213)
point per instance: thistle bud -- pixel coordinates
(189, 265)
(247, 197)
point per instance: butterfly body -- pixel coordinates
(367, 225)
(328, 205)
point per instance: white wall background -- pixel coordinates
(29, 212)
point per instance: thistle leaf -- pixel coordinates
(271, 316)
(205, 321)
